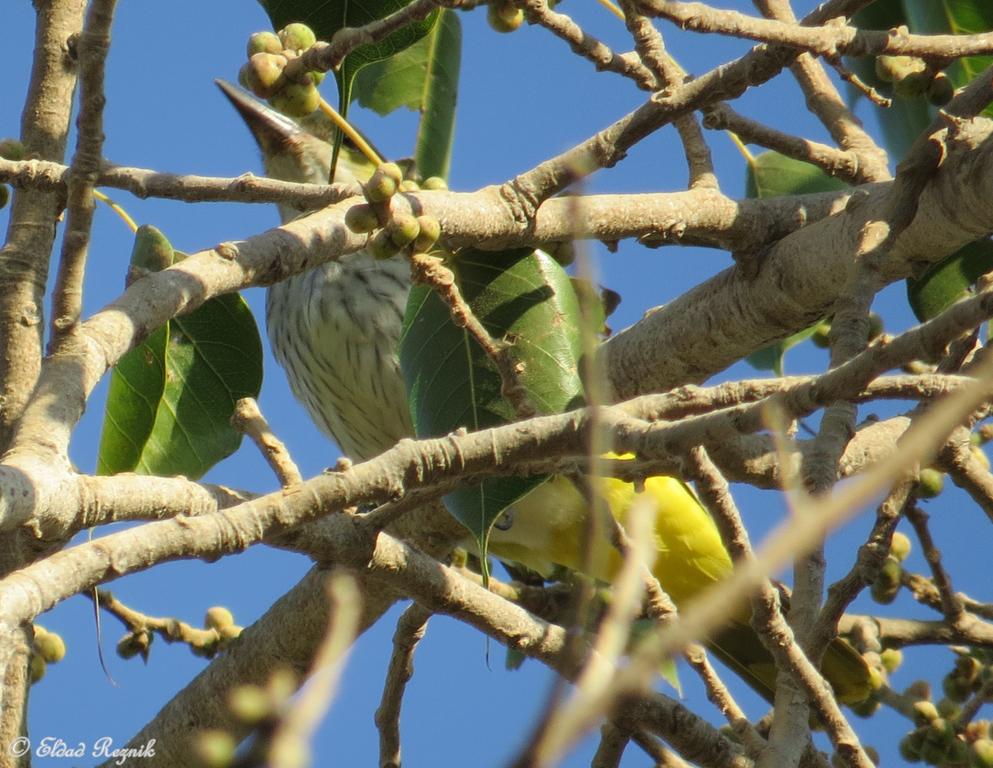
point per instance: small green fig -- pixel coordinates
(297, 37)
(296, 99)
(264, 42)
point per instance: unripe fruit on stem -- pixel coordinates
(261, 75)
(900, 546)
(891, 659)
(296, 99)
(381, 245)
(865, 708)
(941, 90)
(434, 182)
(392, 171)
(893, 69)
(249, 703)
(297, 37)
(50, 646)
(939, 731)
(215, 749)
(12, 149)
(925, 712)
(134, 643)
(977, 729)
(403, 229)
(430, 231)
(409, 185)
(949, 709)
(37, 668)
(930, 483)
(504, 17)
(913, 85)
(958, 752)
(982, 752)
(969, 669)
(932, 753)
(218, 617)
(264, 42)
(380, 187)
(910, 748)
(564, 253)
(361, 219)
(887, 584)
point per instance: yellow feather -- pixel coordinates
(549, 526)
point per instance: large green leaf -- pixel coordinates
(326, 17)
(425, 78)
(772, 358)
(520, 295)
(949, 280)
(171, 398)
(771, 174)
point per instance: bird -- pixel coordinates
(335, 330)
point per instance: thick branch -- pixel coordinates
(800, 278)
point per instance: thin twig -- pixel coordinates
(586, 45)
(576, 714)
(410, 630)
(768, 619)
(951, 605)
(835, 162)
(93, 45)
(650, 47)
(431, 271)
(201, 640)
(248, 419)
(722, 698)
(613, 740)
(869, 561)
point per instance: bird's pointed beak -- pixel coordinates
(273, 131)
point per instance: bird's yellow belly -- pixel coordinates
(551, 525)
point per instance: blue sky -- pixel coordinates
(523, 97)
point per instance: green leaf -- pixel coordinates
(950, 280)
(424, 78)
(171, 398)
(771, 174)
(771, 358)
(520, 295)
(136, 386)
